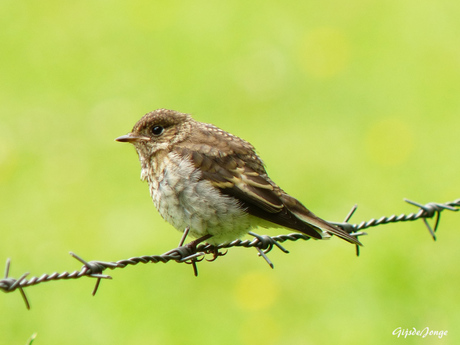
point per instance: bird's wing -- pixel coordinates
(234, 168)
(260, 197)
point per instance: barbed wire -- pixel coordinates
(195, 251)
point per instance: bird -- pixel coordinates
(213, 184)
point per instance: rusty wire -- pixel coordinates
(191, 254)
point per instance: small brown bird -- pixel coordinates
(212, 182)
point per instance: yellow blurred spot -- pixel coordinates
(255, 291)
(260, 329)
(389, 142)
(324, 52)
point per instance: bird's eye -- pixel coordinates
(157, 130)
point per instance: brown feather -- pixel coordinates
(228, 162)
(237, 171)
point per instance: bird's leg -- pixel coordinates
(191, 246)
(184, 236)
(194, 243)
(215, 253)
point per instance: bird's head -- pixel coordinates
(158, 130)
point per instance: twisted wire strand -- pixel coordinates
(191, 254)
(425, 211)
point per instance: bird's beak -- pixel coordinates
(131, 138)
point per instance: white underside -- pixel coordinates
(185, 201)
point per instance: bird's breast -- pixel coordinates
(185, 199)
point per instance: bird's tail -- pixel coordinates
(301, 212)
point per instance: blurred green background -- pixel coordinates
(346, 102)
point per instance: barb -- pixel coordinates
(192, 254)
(425, 211)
